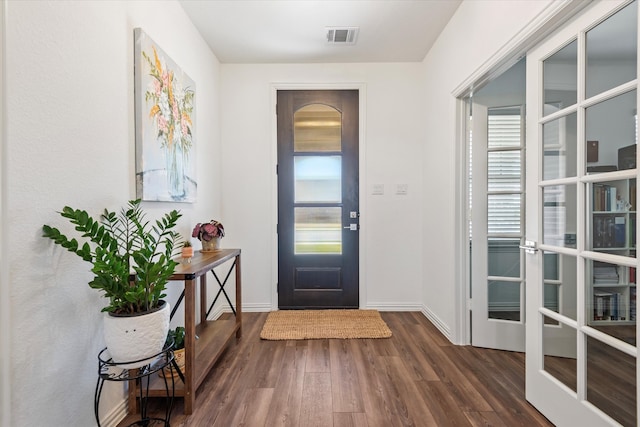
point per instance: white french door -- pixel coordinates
(581, 351)
(497, 303)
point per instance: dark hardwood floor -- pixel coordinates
(415, 378)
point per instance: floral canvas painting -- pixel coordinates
(165, 115)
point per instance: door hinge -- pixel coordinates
(277, 228)
(277, 169)
(277, 287)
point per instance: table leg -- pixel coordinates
(189, 343)
(133, 399)
(238, 297)
(203, 299)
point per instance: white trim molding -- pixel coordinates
(116, 415)
(362, 98)
(438, 323)
(391, 306)
(6, 332)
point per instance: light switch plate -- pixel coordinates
(378, 189)
(402, 189)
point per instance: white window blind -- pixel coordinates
(504, 172)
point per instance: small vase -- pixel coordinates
(212, 245)
(174, 157)
(187, 252)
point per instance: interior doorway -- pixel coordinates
(496, 187)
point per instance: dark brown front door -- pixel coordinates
(318, 199)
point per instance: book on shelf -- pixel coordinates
(620, 233)
(632, 303)
(601, 305)
(605, 273)
(608, 306)
(609, 231)
(605, 198)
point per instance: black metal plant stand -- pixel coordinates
(110, 370)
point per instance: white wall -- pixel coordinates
(475, 33)
(393, 136)
(5, 341)
(70, 141)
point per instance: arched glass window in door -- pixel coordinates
(318, 180)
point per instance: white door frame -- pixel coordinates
(362, 100)
(5, 292)
(550, 19)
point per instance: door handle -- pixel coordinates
(529, 246)
(351, 227)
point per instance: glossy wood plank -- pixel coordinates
(345, 386)
(415, 378)
(316, 400)
(348, 419)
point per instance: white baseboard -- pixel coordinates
(385, 306)
(437, 322)
(246, 308)
(256, 308)
(117, 414)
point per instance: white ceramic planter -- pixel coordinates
(136, 338)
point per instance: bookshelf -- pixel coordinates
(613, 230)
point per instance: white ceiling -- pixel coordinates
(293, 31)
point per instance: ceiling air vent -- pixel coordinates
(342, 35)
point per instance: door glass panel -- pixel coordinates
(318, 128)
(559, 215)
(504, 170)
(611, 381)
(560, 284)
(613, 217)
(551, 281)
(318, 179)
(503, 215)
(318, 230)
(559, 139)
(504, 300)
(504, 128)
(611, 125)
(504, 257)
(559, 344)
(560, 73)
(612, 298)
(612, 51)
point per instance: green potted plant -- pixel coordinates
(177, 336)
(209, 234)
(132, 261)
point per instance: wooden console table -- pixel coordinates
(213, 336)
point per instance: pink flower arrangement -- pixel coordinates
(208, 230)
(172, 105)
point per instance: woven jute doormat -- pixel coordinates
(319, 324)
